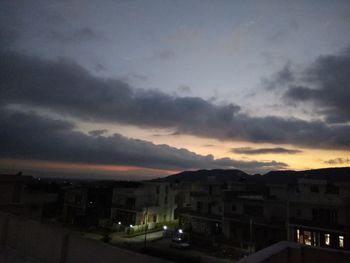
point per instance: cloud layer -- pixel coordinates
(30, 136)
(275, 150)
(338, 161)
(66, 88)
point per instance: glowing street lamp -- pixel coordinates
(180, 231)
(165, 227)
(119, 223)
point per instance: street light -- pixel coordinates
(180, 231)
(119, 223)
(165, 227)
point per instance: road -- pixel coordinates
(164, 244)
(155, 240)
(118, 237)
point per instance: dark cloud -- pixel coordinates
(280, 79)
(29, 136)
(326, 85)
(66, 88)
(98, 132)
(337, 161)
(7, 37)
(276, 150)
(73, 36)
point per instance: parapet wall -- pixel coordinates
(290, 252)
(51, 244)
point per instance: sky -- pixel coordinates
(143, 89)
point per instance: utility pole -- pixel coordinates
(287, 215)
(146, 228)
(251, 235)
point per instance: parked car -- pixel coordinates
(180, 241)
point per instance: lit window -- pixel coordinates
(298, 235)
(341, 241)
(327, 239)
(307, 238)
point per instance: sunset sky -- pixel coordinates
(142, 89)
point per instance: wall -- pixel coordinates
(50, 244)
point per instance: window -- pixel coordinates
(298, 235)
(298, 212)
(199, 206)
(327, 239)
(233, 208)
(314, 189)
(220, 209)
(341, 241)
(130, 202)
(307, 238)
(332, 189)
(253, 210)
(324, 216)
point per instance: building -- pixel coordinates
(253, 220)
(203, 215)
(87, 204)
(311, 212)
(319, 213)
(18, 198)
(141, 203)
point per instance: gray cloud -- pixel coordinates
(275, 150)
(98, 132)
(283, 33)
(7, 37)
(325, 84)
(280, 79)
(337, 161)
(184, 89)
(73, 36)
(164, 54)
(66, 88)
(29, 136)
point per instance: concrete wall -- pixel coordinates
(32, 238)
(92, 251)
(50, 244)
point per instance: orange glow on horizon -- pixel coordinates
(19, 164)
